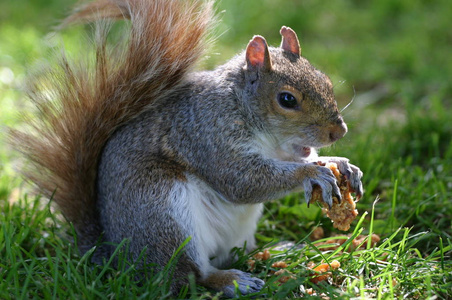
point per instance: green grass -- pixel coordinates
(392, 57)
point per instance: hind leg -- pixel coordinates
(136, 201)
(154, 207)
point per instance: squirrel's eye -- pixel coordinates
(287, 100)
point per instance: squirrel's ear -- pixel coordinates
(289, 41)
(257, 55)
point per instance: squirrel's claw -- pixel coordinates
(338, 197)
(328, 184)
(351, 172)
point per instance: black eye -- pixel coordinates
(287, 100)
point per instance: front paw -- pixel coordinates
(351, 172)
(323, 177)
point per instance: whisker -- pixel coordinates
(341, 82)
(351, 101)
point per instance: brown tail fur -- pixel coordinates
(85, 103)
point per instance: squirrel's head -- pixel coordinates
(294, 99)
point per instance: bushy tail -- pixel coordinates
(81, 104)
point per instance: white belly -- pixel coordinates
(217, 225)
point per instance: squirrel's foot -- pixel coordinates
(234, 282)
(246, 284)
(324, 178)
(352, 172)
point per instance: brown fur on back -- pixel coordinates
(84, 103)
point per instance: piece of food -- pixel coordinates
(323, 270)
(317, 234)
(262, 255)
(279, 265)
(341, 213)
(360, 241)
(286, 275)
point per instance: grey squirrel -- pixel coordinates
(138, 146)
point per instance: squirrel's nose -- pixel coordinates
(338, 130)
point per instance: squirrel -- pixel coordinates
(136, 145)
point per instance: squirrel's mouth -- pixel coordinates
(294, 150)
(302, 151)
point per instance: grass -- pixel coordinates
(390, 56)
